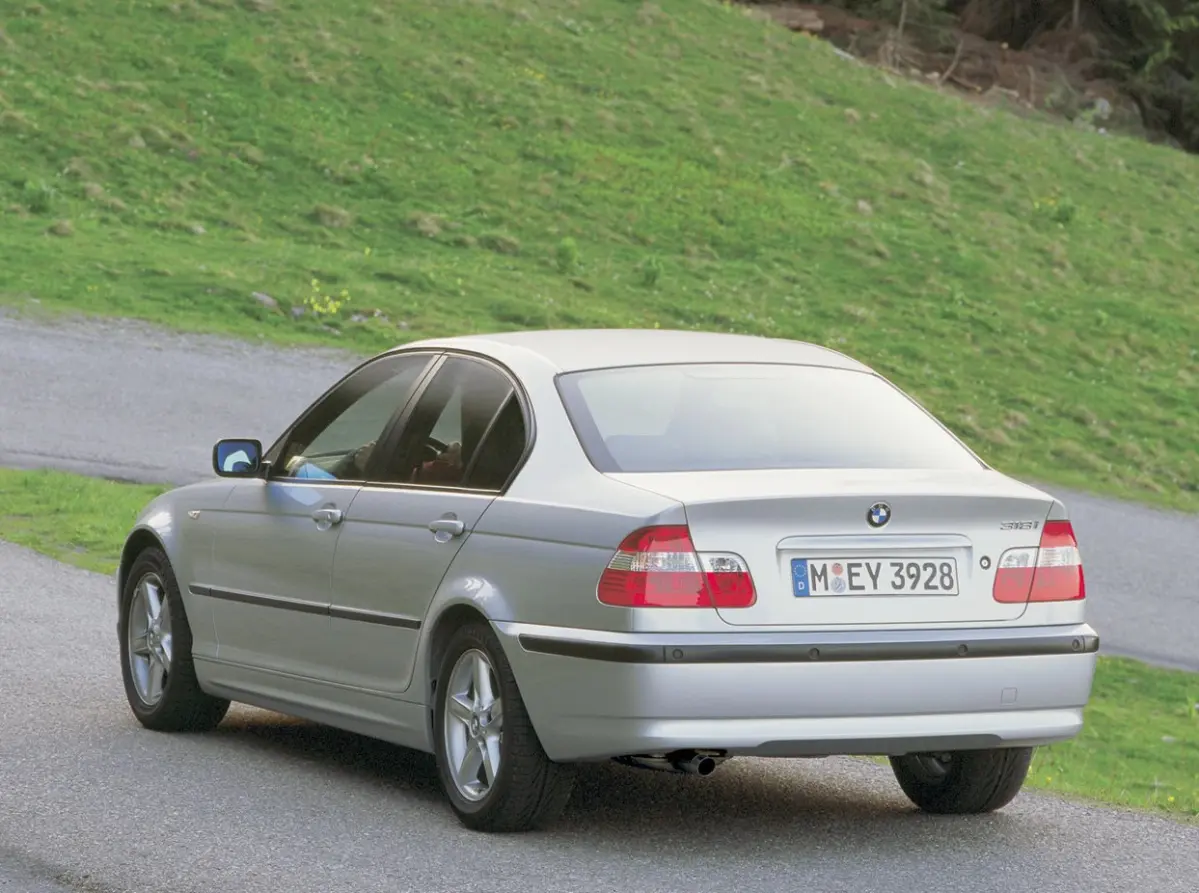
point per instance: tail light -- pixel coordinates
(1051, 572)
(658, 567)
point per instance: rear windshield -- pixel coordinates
(725, 417)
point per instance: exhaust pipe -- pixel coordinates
(700, 764)
(687, 762)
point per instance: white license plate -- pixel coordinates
(873, 576)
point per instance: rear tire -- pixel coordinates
(475, 685)
(156, 652)
(965, 781)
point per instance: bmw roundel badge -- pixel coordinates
(878, 515)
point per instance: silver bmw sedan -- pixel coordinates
(530, 551)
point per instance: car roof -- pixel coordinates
(572, 350)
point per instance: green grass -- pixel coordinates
(472, 165)
(82, 521)
(1139, 747)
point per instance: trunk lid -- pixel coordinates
(816, 560)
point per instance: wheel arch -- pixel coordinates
(141, 539)
(447, 622)
(441, 629)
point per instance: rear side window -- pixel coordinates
(501, 450)
(726, 417)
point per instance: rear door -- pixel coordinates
(861, 548)
(434, 479)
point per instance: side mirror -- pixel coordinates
(237, 458)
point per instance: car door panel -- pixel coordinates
(269, 584)
(387, 568)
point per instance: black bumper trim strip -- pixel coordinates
(812, 652)
(611, 653)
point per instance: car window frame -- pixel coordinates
(392, 437)
(271, 457)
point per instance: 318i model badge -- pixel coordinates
(878, 515)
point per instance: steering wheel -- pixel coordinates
(433, 448)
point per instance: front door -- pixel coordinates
(276, 537)
(447, 462)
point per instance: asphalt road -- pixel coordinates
(129, 401)
(89, 801)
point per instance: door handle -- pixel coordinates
(327, 517)
(444, 528)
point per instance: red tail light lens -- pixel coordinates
(658, 567)
(1050, 572)
(1059, 576)
(655, 567)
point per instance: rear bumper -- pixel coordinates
(593, 695)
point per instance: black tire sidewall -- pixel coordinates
(976, 781)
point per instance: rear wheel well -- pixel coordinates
(447, 624)
(138, 542)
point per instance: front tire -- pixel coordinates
(963, 782)
(156, 652)
(490, 762)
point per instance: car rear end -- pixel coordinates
(842, 576)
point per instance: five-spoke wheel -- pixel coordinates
(474, 722)
(149, 635)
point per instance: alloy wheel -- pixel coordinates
(474, 721)
(149, 639)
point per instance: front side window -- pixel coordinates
(746, 416)
(336, 440)
(466, 430)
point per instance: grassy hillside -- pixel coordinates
(464, 166)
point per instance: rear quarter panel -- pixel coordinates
(539, 562)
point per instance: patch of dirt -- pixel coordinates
(1057, 73)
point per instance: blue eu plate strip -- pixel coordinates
(799, 577)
